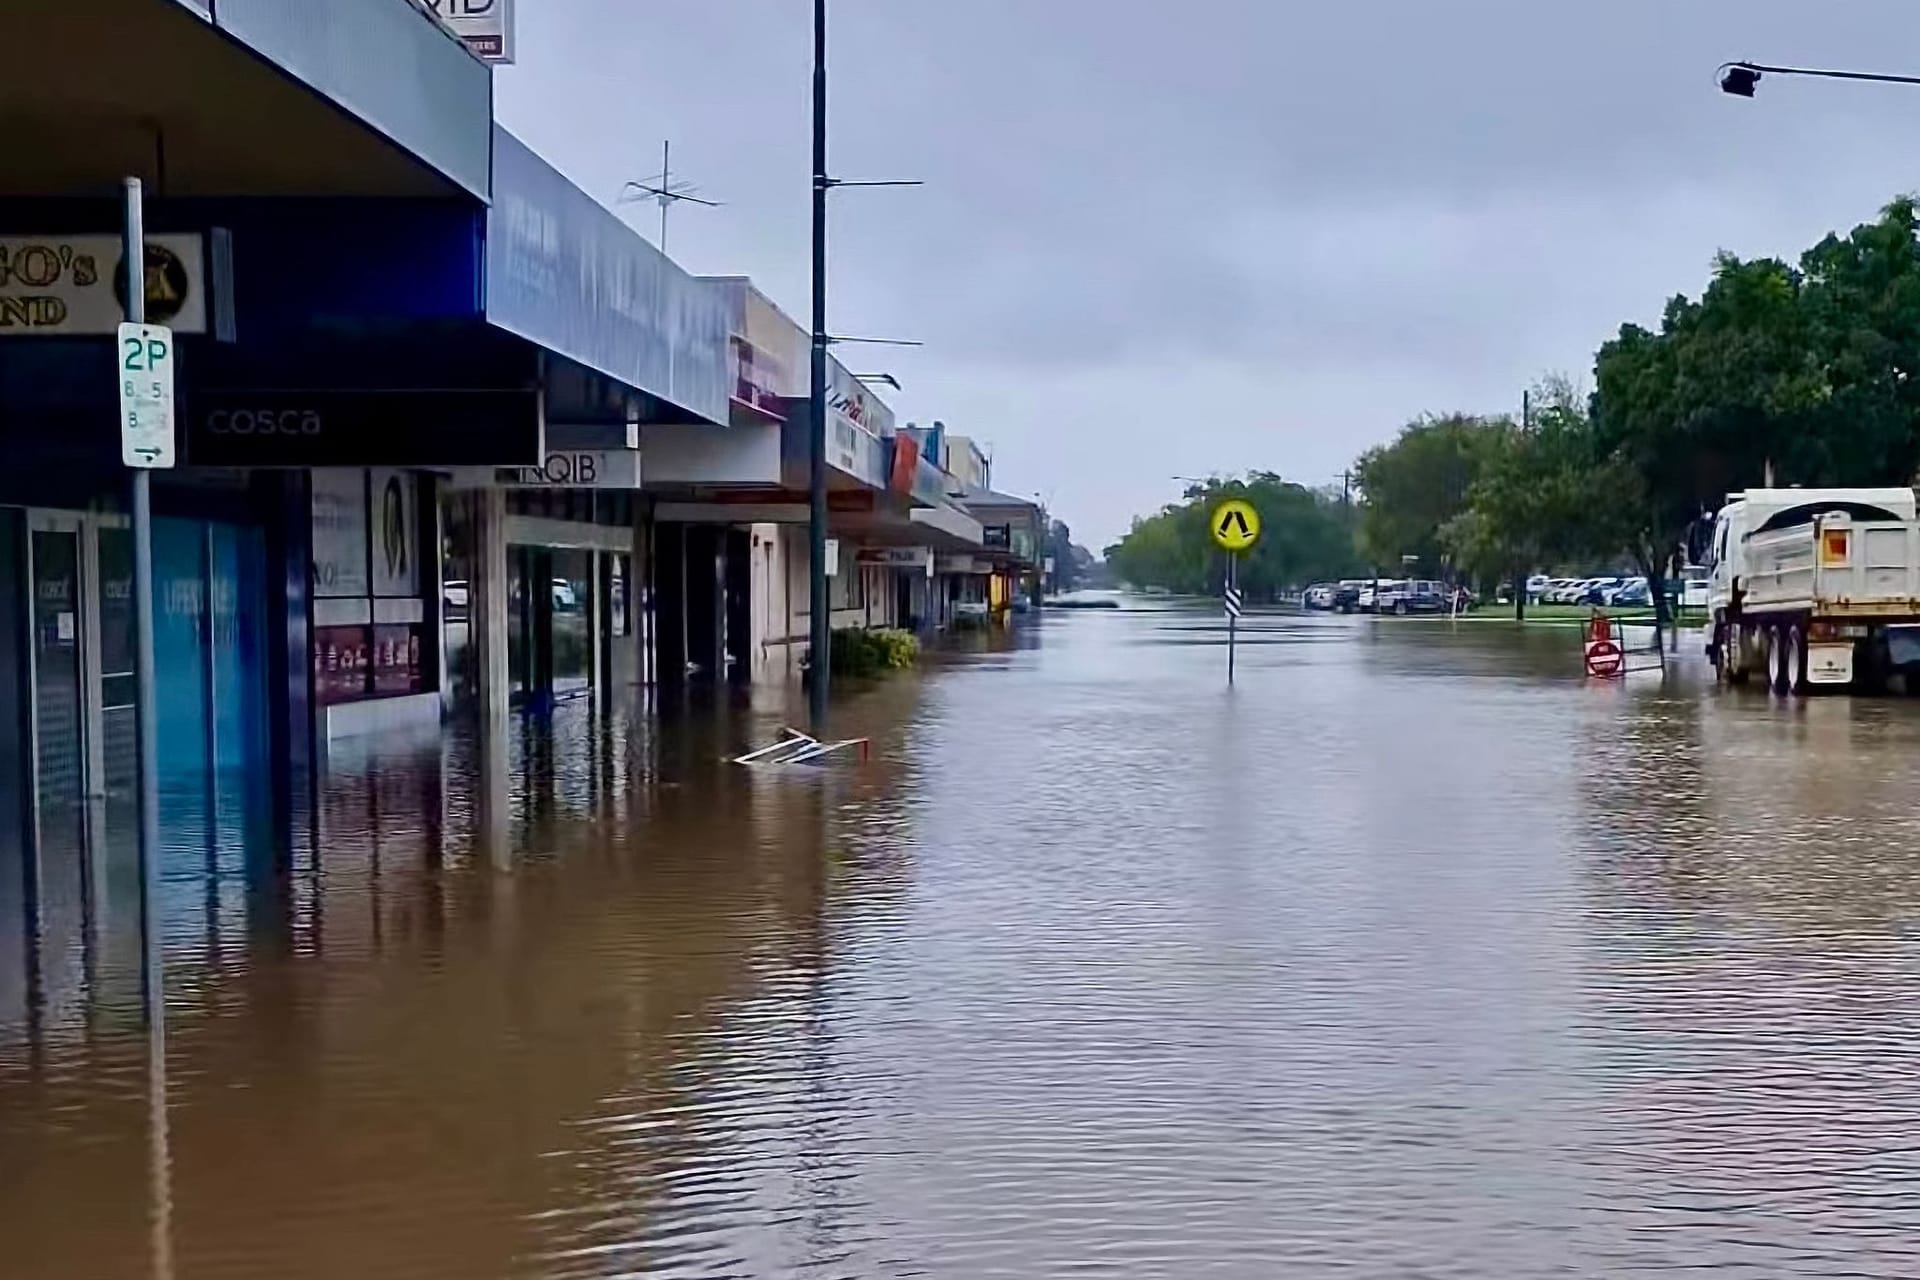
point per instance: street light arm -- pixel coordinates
(1759, 68)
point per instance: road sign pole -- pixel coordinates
(1233, 614)
(134, 255)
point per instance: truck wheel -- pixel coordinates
(1733, 653)
(1777, 659)
(1795, 660)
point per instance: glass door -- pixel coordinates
(59, 688)
(58, 703)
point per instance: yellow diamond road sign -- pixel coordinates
(1236, 525)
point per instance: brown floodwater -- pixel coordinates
(1413, 955)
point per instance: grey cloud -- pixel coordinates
(1297, 225)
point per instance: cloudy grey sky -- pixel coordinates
(1212, 235)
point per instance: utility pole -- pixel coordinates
(821, 619)
(821, 646)
(133, 251)
(1520, 571)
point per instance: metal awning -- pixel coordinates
(244, 98)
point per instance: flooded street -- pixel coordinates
(1415, 954)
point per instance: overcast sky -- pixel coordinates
(1215, 235)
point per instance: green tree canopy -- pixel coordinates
(1305, 537)
(1418, 483)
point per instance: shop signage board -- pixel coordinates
(920, 558)
(332, 428)
(565, 273)
(59, 286)
(486, 26)
(560, 469)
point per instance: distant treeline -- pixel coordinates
(1805, 373)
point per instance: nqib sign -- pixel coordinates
(485, 25)
(560, 469)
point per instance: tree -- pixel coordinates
(1419, 482)
(1066, 565)
(1545, 495)
(1305, 537)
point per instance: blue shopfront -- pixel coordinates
(326, 348)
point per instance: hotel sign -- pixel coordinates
(71, 285)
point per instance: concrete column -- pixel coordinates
(641, 587)
(487, 603)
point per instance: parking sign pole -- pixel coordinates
(133, 254)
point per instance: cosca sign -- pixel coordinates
(265, 422)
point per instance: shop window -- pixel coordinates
(849, 585)
(367, 608)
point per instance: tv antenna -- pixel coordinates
(663, 190)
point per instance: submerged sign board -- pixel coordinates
(486, 26)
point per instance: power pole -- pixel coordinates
(821, 647)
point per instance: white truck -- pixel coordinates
(1815, 588)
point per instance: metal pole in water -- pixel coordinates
(152, 987)
(133, 250)
(1233, 610)
(822, 620)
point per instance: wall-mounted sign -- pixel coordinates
(76, 285)
(339, 532)
(281, 428)
(485, 25)
(920, 558)
(561, 469)
(395, 530)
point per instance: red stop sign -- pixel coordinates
(1604, 658)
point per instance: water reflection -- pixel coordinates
(1413, 954)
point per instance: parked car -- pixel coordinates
(1346, 596)
(1611, 592)
(1379, 596)
(1693, 593)
(1319, 596)
(1633, 594)
(1537, 585)
(1557, 589)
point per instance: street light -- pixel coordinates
(1740, 79)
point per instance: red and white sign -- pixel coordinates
(1604, 659)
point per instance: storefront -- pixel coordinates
(374, 661)
(68, 763)
(574, 603)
